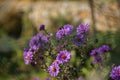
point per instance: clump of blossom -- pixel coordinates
(64, 31)
(38, 41)
(68, 29)
(63, 56)
(115, 73)
(54, 48)
(53, 70)
(60, 34)
(80, 37)
(97, 53)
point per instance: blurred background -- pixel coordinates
(20, 20)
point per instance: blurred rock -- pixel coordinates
(106, 13)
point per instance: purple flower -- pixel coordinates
(41, 38)
(64, 31)
(34, 42)
(63, 56)
(78, 40)
(115, 73)
(60, 34)
(38, 41)
(83, 28)
(67, 29)
(36, 47)
(26, 49)
(44, 39)
(98, 59)
(42, 27)
(36, 79)
(94, 52)
(80, 78)
(47, 79)
(53, 70)
(28, 55)
(104, 48)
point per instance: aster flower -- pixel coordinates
(34, 42)
(94, 52)
(42, 27)
(53, 70)
(47, 79)
(63, 56)
(36, 47)
(44, 39)
(82, 28)
(98, 58)
(41, 38)
(80, 78)
(38, 41)
(67, 29)
(60, 34)
(78, 40)
(28, 55)
(104, 48)
(115, 73)
(64, 31)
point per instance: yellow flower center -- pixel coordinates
(27, 57)
(63, 56)
(53, 69)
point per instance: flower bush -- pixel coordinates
(54, 52)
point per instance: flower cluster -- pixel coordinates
(45, 47)
(80, 37)
(64, 31)
(115, 73)
(53, 69)
(97, 53)
(62, 57)
(37, 42)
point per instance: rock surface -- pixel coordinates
(39, 12)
